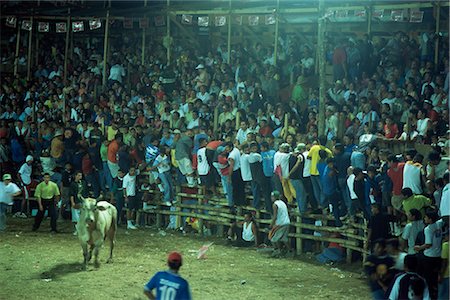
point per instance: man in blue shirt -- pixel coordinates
(169, 284)
(328, 179)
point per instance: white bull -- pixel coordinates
(98, 220)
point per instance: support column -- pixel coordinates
(66, 49)
(229, 34)
(169, 45)
(30, 37)
(16, 54)
(105, 48)
(143, 40)
(437, 29)
(275, 49)
(321, 63)
(369, 20)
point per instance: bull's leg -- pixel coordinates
(90, 252)
(96, 250)
(85, 255)
(112, 241)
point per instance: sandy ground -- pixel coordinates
(38, 265)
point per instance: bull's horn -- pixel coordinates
(81, 197)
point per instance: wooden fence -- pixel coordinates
(216, 212)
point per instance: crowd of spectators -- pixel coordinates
(247, 126)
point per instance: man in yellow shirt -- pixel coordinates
(411, 201)
(47, 195)
(314, 157)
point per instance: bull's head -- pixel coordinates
(89, 209)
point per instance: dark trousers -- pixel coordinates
(50, 206)
(429, 269)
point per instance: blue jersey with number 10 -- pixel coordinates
(169, 286)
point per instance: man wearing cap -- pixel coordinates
(24, 175)
(47, 195)
(7, 191)
(169, 284)
(296, 165)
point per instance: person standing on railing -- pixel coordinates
(183, 150)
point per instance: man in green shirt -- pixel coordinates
(299, 93)
(47, 195)
(411, 201)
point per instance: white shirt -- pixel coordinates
(236, 156)
(25, 173)
(433, 237)
(350, 185)
(129, 183)
(204, 97)
(410, 233)
(116, 73)
(163, 163)
(194, 123)
(246, 173)
(247, 233)
(412, 177)
(306, 168)
(444, 207)
(282, 159)
(241, 135)
(7, 191)
(202, 165)
(422, 125)
(282, 214)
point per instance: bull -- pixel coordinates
(98, 221)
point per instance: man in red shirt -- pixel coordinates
(113, 150)
(339, 62)
(395, 173)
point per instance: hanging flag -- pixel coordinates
(160, 21)
(27, 25)
(203, 21)
(237, 20)
(95, 24)
(77, 26)
(340, 14)
(416, 16)
(253, 20)
(397, 15)
(270, 19)
(143, 23)
(186, 19)
(43, 27)
(61, 27)
(378, 13)
(220, 21)
(11, 21)
(128, 23)
(329, 13)
(360, 13)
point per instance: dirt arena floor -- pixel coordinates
(38, 265)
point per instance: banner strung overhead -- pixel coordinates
(27, 25)
(77, 26)
(203, 21)
(95, 24)
(11, 21)
(61, 27)
(43, 27)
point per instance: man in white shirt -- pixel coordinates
(8, 190)
(203, 167)
(116, 72)
(129, 194)
(413, 173)
(234, 160)
(203, 94)
(241, 135)
(411, 230)
(281, 165)
(279, 231)
(24, 175)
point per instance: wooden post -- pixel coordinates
(143, 40)
(105, 48)
(299, 240)
(179, 219)
(275, 49)
(30, 37)
(36, 62)
(369, 20)
(168, 34)
(437, 29)
(285, 126)
(66, 49)
(229, 34)
(16, 60)
(216, 119)
(238, 119)
(321, 61)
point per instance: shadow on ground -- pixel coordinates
(61, 270)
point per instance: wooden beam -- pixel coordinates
(30, 46)
(169, 46)
(229, 34)
(105, 49)
(321, 62)
(16, 57)
(436, 31)
(143, 40)
(275, 47)
(66, 48)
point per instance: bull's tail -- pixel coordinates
(114, 220)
